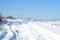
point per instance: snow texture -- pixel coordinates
(17, 29)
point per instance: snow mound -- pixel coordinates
(16, 29)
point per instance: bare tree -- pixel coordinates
(1, 17)
(10, 17)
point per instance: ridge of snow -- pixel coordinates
(17, 29)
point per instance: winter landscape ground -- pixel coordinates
(23, 29)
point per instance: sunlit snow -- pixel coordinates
(17, 29)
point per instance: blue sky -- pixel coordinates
(39, 9)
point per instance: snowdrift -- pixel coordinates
(23, 29)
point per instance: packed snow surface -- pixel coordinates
(17, 29)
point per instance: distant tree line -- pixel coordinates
(3, 17)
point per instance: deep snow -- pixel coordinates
(23, 29)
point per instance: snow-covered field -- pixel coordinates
(17, 29)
